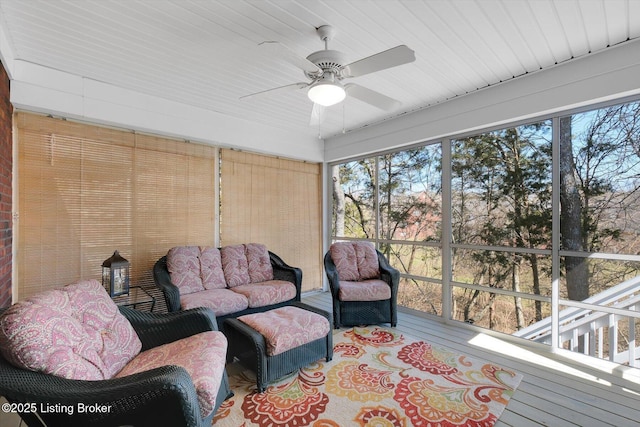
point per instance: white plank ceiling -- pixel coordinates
(205, 53)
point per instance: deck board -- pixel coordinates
(555, 390)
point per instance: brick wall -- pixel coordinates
(6, 168)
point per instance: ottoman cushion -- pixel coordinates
(287, 327)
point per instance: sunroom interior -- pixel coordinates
(503, 187)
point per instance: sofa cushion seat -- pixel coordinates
(365, 290)
(75, 332)
(221, 301)
(266, 293)
(202, 355)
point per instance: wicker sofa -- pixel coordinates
(71, 357)
(232, 280)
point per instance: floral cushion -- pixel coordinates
(202, 355)
(343, 255)
(235, 265)
(267, 293)
(355, 261)
(366, 260)
(287, 327)
(211, 268)
(221, 301)
(183, 263)
(366, 290)
(260, 269)
(75, 332)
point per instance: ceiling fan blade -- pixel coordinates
(380, 61)
(317, 114)
(279, 50)
(276, 90)
(371, 97)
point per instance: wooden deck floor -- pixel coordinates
(557, 390)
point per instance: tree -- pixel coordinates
(571, 217)
(599, 170)
(338, 202)
(502, 180)
(354, 190)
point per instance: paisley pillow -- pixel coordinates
(260, 269)
(367, 260)
(211, 268)
(344, 257)
(235, 265)
(183, 263)
(75, 332)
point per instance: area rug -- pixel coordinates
(378, 377)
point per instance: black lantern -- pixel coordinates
(115, 275)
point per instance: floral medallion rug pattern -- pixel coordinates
(378, 377)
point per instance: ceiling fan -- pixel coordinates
(325, 70)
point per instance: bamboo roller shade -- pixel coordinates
(85, 191)
(277, 202)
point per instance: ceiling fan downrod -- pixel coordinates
(326, 33)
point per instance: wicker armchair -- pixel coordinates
(163, 396)
(363, 306)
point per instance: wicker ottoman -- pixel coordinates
(280, 341)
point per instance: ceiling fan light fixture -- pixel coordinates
(326, 93)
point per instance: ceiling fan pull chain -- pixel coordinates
(344, 130)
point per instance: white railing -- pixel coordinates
(597, 333)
